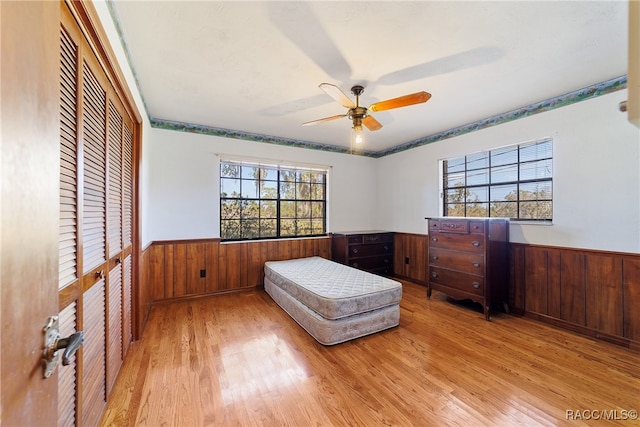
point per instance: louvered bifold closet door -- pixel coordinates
(96, 226)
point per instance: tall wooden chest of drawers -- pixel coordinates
(468, 259)
(371, 251)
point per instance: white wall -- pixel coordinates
(184, 183)
(596, 191)
(596, 175)
(118, 50)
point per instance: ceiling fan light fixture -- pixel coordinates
(357, 136)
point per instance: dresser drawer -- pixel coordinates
(468, 262)
(371, 238)
(460, 226)
(372, 263)
(469, 283)
(361, 250)
(458, 242)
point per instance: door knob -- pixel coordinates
(53, 344)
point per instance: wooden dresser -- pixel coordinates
(366, 250)
(468, 259)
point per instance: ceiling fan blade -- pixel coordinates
(403, 101)
(371, 123)
(326, 119)
(337, 94)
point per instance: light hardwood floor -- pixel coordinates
(238, 359)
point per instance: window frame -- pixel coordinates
(538, 163)
(288, 177)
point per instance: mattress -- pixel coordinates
(331, 332)
(332, 290)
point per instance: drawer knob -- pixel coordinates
(475, 285)
(435, 239)
(475, 243)
(386, 248)
(434, 274)
(475, 264)
(355, 250)
(434, 257)
(355, 264)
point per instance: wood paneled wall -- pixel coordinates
(595, 293)
(176, 269)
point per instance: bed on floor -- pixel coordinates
(333, 302)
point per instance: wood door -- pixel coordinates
(29, 207)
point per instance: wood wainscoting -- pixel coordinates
(186, 268)
(595, 293)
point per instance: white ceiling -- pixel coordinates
(255, 67)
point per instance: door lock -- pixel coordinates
(53, 344)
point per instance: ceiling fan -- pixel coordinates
(360, 115)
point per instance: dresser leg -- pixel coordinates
(486, 312)
(428, 292)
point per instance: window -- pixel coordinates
(511, 182)
(260, 201)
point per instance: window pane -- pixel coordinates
(535, 151)
(478, 161)
(270, 174)
(303, 191)
(229, 170)
(504, 156)
(478, 209)
(250, 172)
(503, 193)
(317, 226)
(288, 175)
(317, 209)
(230, 229)
(269, 189)
(317, 191)
(454, 180)
(504, 174)
(249, 189)
(268, 228)
(250, 209)
(535, 170)
(303, 209)
(229, 187)
(251, 229)
(504, 209)
(478, 194)
(268, 209)
(288, 227)
(456, 195)
(535, 191)
(304, 228)
(288, 190)
(478, 177)
(287, 209)
(230, 209)
(536, 210)
(455, 165)
(454, 209)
